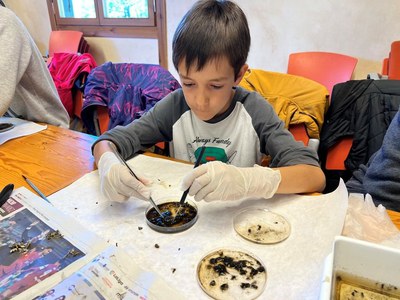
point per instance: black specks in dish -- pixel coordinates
(174, 219)
(231, 274)
(261, 226)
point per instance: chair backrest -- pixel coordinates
(394, 61)
(385, 66)
(65, 41)
(324, 67)
(84, 46)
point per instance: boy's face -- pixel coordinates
(209, 92)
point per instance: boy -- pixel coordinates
(210, 48)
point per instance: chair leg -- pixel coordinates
(96, 123)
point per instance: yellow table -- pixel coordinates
(52, 159)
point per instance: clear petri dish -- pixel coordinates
(231, 274)
(175, 219)
(261, 226)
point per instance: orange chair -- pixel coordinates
(65, 41)
(394, 61)
(83, 46)
(324, 67)
(69, 41)
(385, 66)
(103, 119)
(328, 69)
(299, 132)
(339, 152)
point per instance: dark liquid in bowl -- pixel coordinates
(171, 219)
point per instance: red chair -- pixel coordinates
(324, 67)
(299, 132)
(328, 69)
(69, 41)
(339, 152)
(64, 41)
(385, 66)
(83, 46)
(394, 61)
(103, 119)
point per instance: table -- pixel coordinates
(54, 158)
(395, 217)
(123, 224)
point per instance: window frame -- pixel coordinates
(152, 28)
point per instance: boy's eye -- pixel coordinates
(217, 87)
(188, 84)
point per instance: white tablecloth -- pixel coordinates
(294, 266)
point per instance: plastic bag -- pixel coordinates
(367, 222)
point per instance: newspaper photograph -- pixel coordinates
(30, 251)
(46, 255)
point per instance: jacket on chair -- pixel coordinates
(128, 90)
(362, 109)
(65, 69)
(295, 99)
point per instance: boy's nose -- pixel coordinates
(202, 99)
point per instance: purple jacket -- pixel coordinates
(127, 89)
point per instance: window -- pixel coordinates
(113, 18)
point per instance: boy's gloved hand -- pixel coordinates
(218, 181)
(116, 183)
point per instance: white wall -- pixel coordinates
(360, 28)
(35, 16)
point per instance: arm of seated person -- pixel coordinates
(301, 179)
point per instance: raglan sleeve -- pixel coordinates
(276, 141)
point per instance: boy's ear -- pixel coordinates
(241, 73)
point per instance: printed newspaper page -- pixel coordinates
(47, 255)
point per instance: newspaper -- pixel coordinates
(46, 255)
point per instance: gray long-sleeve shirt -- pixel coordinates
(26, 87)
(241, 136)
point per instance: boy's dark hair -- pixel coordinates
(212, 29)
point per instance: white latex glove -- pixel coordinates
(117, 184)
(218, 181)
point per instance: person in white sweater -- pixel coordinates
(27, 90)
